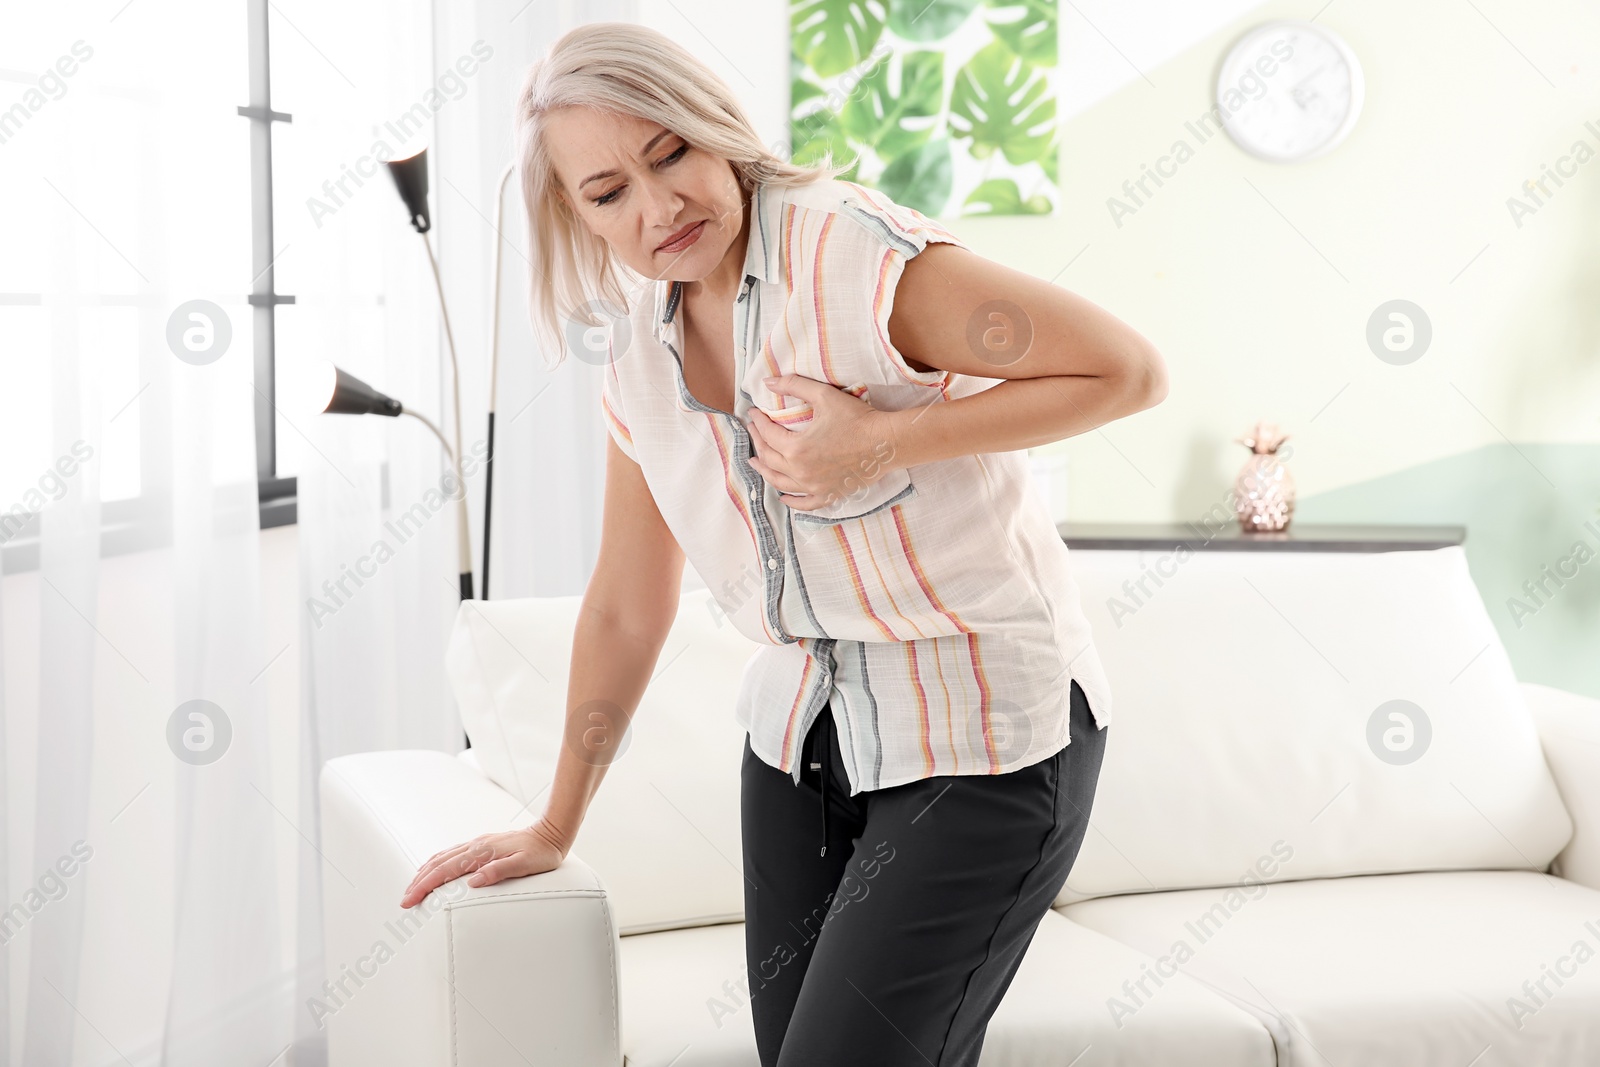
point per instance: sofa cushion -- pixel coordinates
(1569, 731)
(684, 1004)
(1263, 707)
(662, 832)
(1488, 968)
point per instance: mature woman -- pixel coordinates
(822, 399)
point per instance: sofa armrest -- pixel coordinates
(1569, 731)
(523, 971)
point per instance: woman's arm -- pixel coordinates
(627, 611)
(1072, 365)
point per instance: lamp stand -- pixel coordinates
(494, 367)
(463, 531)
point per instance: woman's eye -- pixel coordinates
(673, 158)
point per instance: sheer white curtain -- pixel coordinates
(141, 884)
(160, 879)
(550, 444)
(377, 529)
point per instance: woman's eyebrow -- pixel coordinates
(643, 152)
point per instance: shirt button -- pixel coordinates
(772, 564)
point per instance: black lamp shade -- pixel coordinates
(411, 178)
(352, 396)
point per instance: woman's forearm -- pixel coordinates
(1015, 414)
(610, 669)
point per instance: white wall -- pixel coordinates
(1251, 318)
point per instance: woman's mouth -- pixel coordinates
(685, 238)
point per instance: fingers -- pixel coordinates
(779, 481)
(513, 864)
(438, 859)
(426, 882)
(440, 856)
(768, 435)
(444, 866)
(489, 873)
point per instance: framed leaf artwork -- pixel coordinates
(947, 106)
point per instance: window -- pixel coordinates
(112, 149)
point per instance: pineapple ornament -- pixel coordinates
(1264, 489)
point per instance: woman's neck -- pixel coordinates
(721, 286)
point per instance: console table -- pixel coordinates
(1299, 537)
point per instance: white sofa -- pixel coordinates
(1271, 876)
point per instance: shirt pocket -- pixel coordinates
(893, 488)
(860, 575)
(863, 495)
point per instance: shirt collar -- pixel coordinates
(762, 259)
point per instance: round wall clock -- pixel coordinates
(1289, 91)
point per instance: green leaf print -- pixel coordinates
(875, 116)
(1000, 196)
(832, 36)
(1051, 159)
(818, 134)
(1000, 102)
(1028, 27)
(920, 178)
(801, 90)
(928, 20)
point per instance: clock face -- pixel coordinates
(1289, 91)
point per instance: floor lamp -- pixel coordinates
(411, 180)
(494, 366)
(342, 393)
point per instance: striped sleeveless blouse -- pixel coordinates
(933, 611)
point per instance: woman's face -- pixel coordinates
(638, 186)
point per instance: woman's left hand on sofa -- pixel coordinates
(493, 857)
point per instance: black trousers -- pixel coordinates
(897, 945)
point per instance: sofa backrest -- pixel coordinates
(1254, 734)
(1286, 715)
(662, 832)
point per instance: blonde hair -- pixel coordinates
(630, 70)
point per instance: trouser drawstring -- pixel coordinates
(822, 764)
